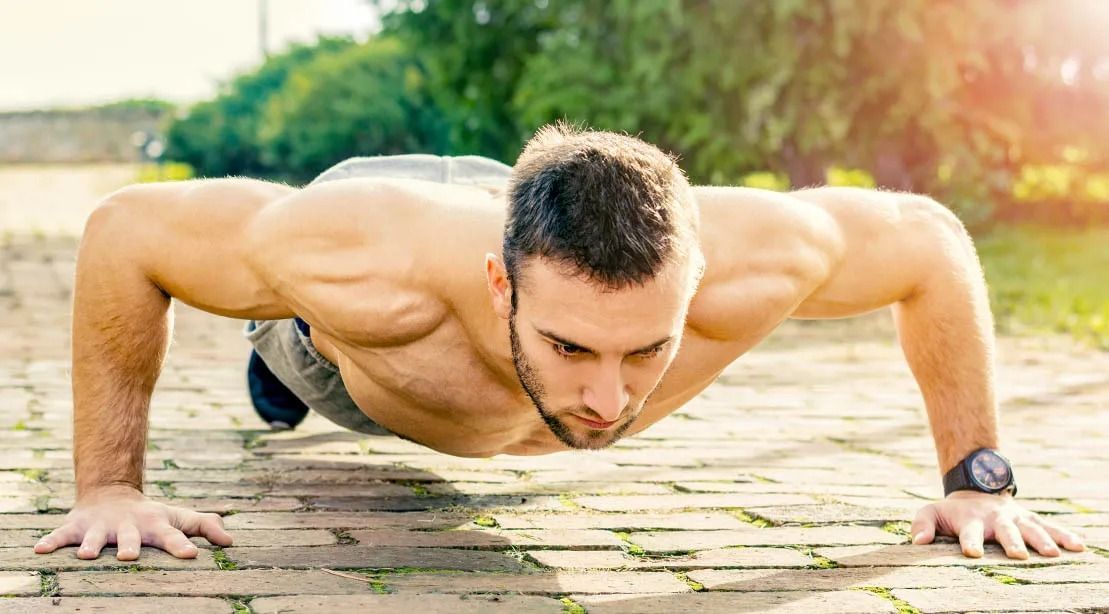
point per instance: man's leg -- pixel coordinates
(274, 402)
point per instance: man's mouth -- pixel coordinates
(600, 426)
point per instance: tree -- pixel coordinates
(220, 137)
(368, 99)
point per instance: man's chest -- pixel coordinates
(449, 393)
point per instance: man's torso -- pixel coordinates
(399, 302)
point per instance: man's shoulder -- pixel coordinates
(353, 252)
(749, 225)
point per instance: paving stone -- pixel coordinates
(224, 506)
(683, 541)
(272, 537)
(22, 583)
(370, 474)
(415, 503)
(18, 537)
(809, 489)
(690, 501)
(490, 538)
(425, 604)
(799, 602)
(238, 582)
(829, 513)
(836, 579)
(830, 453)
(1099, 504)
(66, 558)
(537, 488)
(619, 522)
(115, 605)
(1095, 536)
(346, 520)
(558, 583)
(940, 554)
(1081, 520)
(1015, 598)
(31, 521)
(357, 557)
(1093, 572)
(725, 557)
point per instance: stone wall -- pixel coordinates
(73, 136)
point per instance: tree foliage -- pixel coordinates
(220, 137)
(954, 99)
(950, 98)
(368, 99)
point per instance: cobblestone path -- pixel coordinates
(785, 487)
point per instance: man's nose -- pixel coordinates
(607, 396)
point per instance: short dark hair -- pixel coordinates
(609, 206)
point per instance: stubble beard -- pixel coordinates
(529, 379)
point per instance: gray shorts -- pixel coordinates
(289, 352)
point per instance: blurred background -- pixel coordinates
(997, 108)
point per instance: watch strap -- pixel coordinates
(956, 479)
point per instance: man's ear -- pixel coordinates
(496, 278)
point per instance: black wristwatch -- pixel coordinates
(984, 470)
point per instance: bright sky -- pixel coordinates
(76, 52)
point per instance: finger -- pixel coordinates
(1035, 535)
(174, 542)
(62, 536)
(1008, 535)
(211, 528)
(208, 525)
(94, 541)
(924, 525)
(971, 537)
(128, 542)
(1065, 538)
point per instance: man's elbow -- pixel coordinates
(942, 228)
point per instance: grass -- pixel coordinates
(569, 606)
(1049, 280)
(903, 607)
(222, 561)
(631, 548)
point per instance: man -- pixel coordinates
(590, 299)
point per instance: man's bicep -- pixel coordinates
(888, 244)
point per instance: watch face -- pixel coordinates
(990, 470)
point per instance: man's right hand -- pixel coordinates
(124, 516)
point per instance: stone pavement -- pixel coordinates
(785, 487)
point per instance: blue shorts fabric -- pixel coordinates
(286, 345)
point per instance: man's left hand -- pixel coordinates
(975, 517)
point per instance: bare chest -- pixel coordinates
(449, 393)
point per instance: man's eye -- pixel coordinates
(651, 353)
(565, 350)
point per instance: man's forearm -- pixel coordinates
(120, 328)
(946, 332)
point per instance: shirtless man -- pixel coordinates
(590, 299)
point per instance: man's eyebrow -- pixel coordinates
(563, 341)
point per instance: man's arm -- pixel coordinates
(913, 254)
(142, 246)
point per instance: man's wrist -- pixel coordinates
(96, 490)
(983, 470)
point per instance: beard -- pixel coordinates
(594, 439)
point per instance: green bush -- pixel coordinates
(220, 137)
(369, 99)
(167, 171)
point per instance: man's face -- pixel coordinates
(588, 357)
